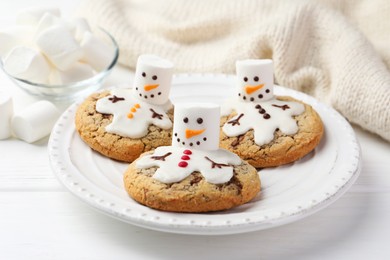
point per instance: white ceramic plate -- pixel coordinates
(288, 193)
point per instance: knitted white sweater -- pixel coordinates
(333, 50)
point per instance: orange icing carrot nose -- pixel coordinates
(150, 87)
(191, 133)
(250, 89)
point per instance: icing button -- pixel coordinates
(187, 152)
(183, 164)
(185, 157)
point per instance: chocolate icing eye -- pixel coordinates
(199, 120)
(256, 78)
(143, 74)
(267, 90)
(245, 79)
(185, 120)
(154, 77)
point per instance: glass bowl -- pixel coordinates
(70, 91)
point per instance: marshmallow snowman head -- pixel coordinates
(255, 80)
(196, 126)
(152, 81)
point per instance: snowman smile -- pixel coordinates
(197, 132)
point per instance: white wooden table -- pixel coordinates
(39, 219)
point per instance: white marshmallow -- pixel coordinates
(35, 121)
(80, 27)
(255, 80)
(6, 109)
(79, 71)
(14, 36)
(96, 53)
(27, 63)
(58, 44)
(31, 16)
(152, 80)
(196, 125)
(48, 20)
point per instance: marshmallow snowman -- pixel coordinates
(255, 80)
(256, 106)
(145, 104)
(195, 126)
(152, 82)
(194, 148)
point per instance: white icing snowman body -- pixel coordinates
(176, 163)
(264, 118)
(131, 116)
(146, 103)
(194, 148)
(256, 106)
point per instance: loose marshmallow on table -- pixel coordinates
(31, 16)
(6, 110)
(79, 71)
(96, 52)
(59, 45)
(35, 121)
(14, 36)
(27, 63)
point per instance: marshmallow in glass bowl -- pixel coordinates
(57, 58)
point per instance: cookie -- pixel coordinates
(124, 123)
(194, 174)
(283, 148)
(91, 126)
(264, 129)
(194, 193)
